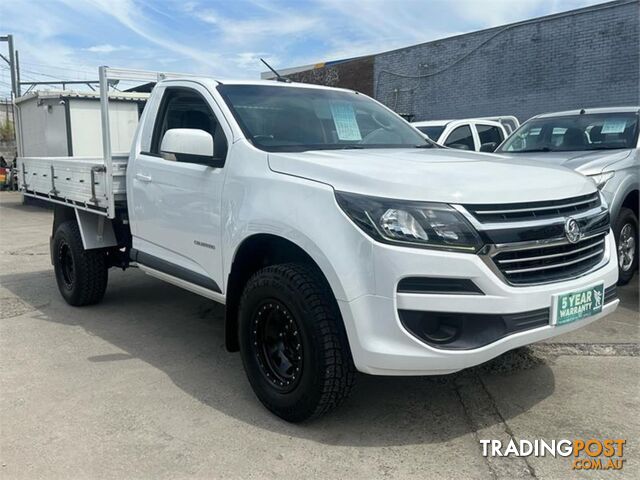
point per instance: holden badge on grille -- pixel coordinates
(572, 230)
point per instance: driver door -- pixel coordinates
(176, 204)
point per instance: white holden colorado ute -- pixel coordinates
(338, 237)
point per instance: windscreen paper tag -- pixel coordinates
(613, 126)
(344, 118)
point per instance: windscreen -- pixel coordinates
(433, 132)
(598, 131)
(293, 119)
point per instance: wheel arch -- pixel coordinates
(96, 231)
(254, 253)
(622, 194)
(631, 201)
(61, 214)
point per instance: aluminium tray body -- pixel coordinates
(75, 181)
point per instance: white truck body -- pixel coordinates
(209, 225)
(63, 123)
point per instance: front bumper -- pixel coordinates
(381, 345)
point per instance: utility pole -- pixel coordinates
(15, 76)
(18, 74)
(15, 88)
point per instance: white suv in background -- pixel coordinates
(603, 144)
(475, 134)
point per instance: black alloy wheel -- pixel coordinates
(67, 268)
(277, 345)
(293, 343)
(81, 274)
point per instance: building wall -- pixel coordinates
(583, 58)
(356, 74)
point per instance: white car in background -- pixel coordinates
(474, 134)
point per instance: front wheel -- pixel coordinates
(626, 234)
(81, 274)
(293, 343)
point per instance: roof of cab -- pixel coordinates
(442, 123)
(272, 83)
(431, 123)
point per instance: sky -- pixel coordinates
(69, 39)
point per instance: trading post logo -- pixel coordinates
(589, 454)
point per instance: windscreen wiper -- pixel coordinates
(608, 148)
(544, 149)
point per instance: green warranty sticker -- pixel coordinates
(577, 305)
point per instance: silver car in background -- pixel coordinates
(601, 143)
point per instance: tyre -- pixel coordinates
(626, 234)
(293, 344)
(81, 274)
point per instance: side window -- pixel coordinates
(186, 108)
(490, 134)
(461, 138)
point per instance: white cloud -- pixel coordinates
(251, 60)
(68, 39)
(275, 30)
(272, 23)
(42, 55)
(128, 14)
(106, 48)
(207, 16)
(500, 12)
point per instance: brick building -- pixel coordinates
(581, 58)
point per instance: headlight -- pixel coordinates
(601, 178)
(416, 224)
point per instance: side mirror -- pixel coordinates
(488, 147)
(189, 145)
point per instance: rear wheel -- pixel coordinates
(81, 274)
(293, 344)
(626, 233)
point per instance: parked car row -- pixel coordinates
(601, 143)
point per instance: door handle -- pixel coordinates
(143, 178)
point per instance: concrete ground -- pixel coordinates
(141, 386)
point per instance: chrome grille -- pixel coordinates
(518, 212)
(551, 262)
